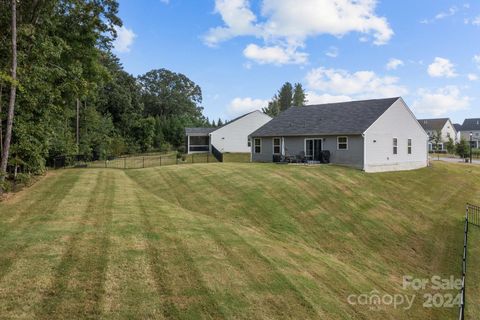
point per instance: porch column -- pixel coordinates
(188, 144)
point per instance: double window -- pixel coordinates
(277, 146)
(342, 143)
(257, 145)
(409, 146)
(395, 146)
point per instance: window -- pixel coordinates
(409, 148)
(342, 143)
(249, 143)
(257, 145)
(395, 145)
(277, 146)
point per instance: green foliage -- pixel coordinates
(462, 149)
(286, 97)
(299, 96)
(64, 55)
(450, 145)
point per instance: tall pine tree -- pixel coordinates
(299, 96)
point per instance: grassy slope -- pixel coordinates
(230, 241)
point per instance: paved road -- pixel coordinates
(454, 160)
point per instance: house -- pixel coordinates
(372, 135)
(444, 126)
(231, 137)
(458, 128)
(471, 126)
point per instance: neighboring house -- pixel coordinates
(458, 128)
(471, 126)
(373, 135)
(444, 126)
(231, 137)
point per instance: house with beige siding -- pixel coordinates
(442, 126)
(372, 135)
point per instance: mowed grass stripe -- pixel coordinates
(180, 284)
(43, 243)
(77, 288)
(130, 289)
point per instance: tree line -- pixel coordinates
(58, 73)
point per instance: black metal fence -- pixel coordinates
(131, 162)
(472, 217)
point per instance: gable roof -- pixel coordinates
(457, 126)
(353, 117)
(207, 131)
(471, 124)
(433, 124)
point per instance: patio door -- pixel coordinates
(313, 148)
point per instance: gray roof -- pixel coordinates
(471, 124)
(457, 126)
(199, 131)
(433, 124)
(353, 117)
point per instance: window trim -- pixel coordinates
(279, 146)
(338, 143)
(249, 142)
(255, 145)
(409, 146)
(395, 146)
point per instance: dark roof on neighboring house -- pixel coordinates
(433, 124)
(471, 124)
(457, 126)
(201, 131)
(353, 117)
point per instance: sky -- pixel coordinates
(240, 52)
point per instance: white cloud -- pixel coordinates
(315, 98)
(442, 15)
(279, 25)
(441, 67)
(393, 64)
(124, 39)
(472, 77)
(332, 52)
(441, 101)
(476, 59)
(274, 55)
(361, 84)
(239, 106)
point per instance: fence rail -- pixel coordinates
(135, 162)
(472, 217)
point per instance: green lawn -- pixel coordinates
(229, 240)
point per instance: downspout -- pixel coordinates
(364, 151)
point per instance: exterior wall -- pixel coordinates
(397, 122)
(233, 137)
(475, 137)
(294, 145)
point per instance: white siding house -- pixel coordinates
(395, 141)
(444, 126)
(374, 135)
(233, 137)
(229, 138)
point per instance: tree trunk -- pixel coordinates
(11, 103)
(1, 121)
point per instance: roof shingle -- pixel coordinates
(353, 117)
(433, 124)
(471, 124)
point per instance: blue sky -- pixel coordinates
(240, 52)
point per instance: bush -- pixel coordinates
(23, 178)
(462, 148)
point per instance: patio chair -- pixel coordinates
(300, 158)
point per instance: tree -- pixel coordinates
(285, 96)
(299, 96)
(219, 122)
(436, 139)
(450, 145)
(462, 148)
(273, 108)
(11, 104)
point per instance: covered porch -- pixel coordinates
(198, 140)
